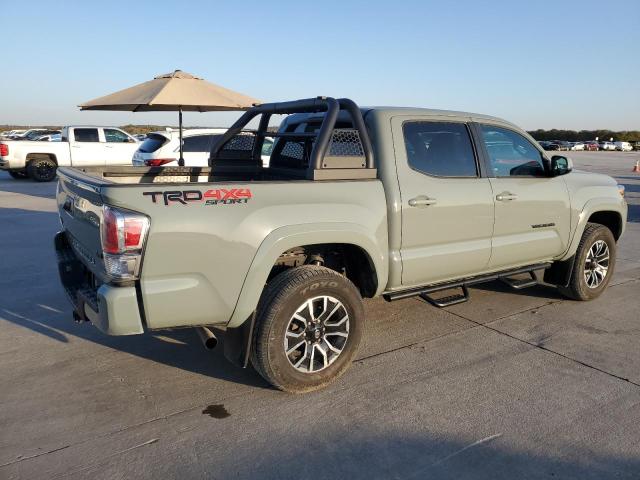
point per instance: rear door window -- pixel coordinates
(440, 149)
(86, 135)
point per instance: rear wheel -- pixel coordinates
(309, 324)
(42, 169)
(18, 174)
(594, 263)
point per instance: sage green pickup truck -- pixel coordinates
(355, 203)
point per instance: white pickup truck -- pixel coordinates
(81, 146)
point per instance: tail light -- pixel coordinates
(4, 149)
(157, 162)
(123, 234)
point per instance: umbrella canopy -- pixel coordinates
(168, 92)
(177, 91)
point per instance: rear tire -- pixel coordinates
(310, 321)
(18, 174)
(42, 169)
(594, 263)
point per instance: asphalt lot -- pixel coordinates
(513, 384)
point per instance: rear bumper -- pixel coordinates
(113, 309)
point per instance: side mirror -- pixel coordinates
(560, 165)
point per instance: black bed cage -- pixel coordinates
(324, 153)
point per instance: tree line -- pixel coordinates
(583, 135)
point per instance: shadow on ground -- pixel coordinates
(26, 186)
(360, 455)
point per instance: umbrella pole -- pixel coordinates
(181, 160)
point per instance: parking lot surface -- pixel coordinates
(513, 384)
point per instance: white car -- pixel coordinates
(162, 148)
(28, 134)
(577, 146)
(52, 137)
(623, 146)
(11, 133)
(80, 146)
(607, 146)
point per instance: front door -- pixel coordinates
(532, 209)
(119, 147)
(447, 207)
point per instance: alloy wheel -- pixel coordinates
(316, 334)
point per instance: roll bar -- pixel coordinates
(323, 137)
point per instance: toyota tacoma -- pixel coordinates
(355, 203)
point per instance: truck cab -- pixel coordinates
(96, 146)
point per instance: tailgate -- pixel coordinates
(80, 210)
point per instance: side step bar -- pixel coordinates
(448, 300)
(466, 282)
(520, 283)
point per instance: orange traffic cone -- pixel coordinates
(636, 169)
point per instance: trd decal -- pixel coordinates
(219, 196)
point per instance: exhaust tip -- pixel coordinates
(209, 340)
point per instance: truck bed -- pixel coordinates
(207, 231)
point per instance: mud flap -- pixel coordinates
(237, 342)
(559, 273)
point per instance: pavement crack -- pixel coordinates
(29, 457)
(115, 454)
(542, 347)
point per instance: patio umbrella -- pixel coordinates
(177, 91)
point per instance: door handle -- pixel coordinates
(506, 196)
(422, 201)
(109, 146)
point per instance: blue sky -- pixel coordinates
(544, 64)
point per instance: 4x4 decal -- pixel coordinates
(220, 196)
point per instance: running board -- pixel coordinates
(447, 300)
(465, 282)
(520, 283)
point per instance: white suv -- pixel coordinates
(162, 148)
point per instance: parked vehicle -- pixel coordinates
(591, 146)
(551, 146)
(607, 146)
(636, 146)
(52, 137)
(140, 137)
(28, 134)
(623, 146)
(79, 147)
(283, 255)
(11, 133)
(577, 146)
(162, 148)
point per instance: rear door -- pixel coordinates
(119, 147)
(531, 209)
(447, 206)
(86, 149)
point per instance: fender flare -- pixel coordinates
(287, 237)
(594, 205)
